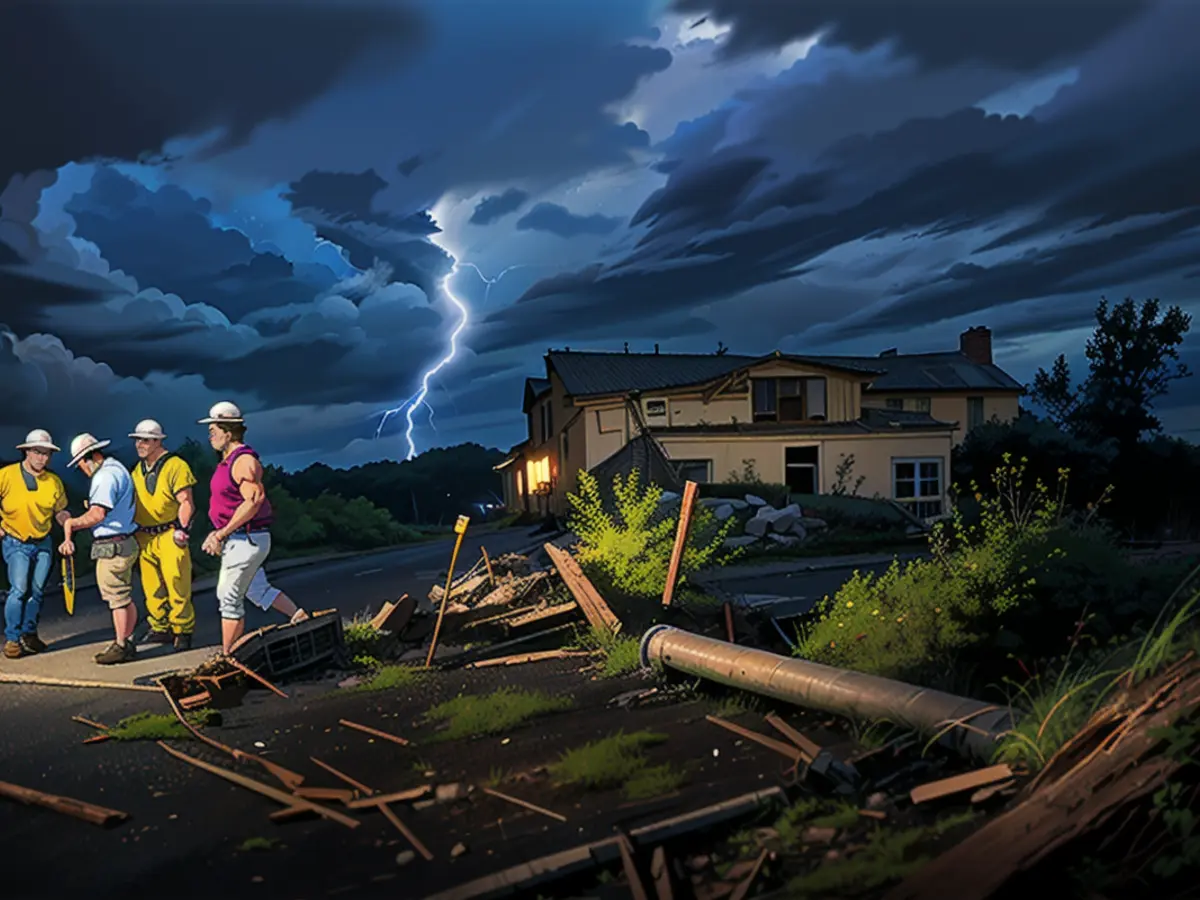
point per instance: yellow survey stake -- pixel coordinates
(68, 579)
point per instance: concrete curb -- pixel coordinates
(784, 567)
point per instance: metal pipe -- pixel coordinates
(828, 689)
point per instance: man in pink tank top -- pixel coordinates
(241, 518)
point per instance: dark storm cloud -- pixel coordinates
(347, 197)
(556, 219)
(496, 206)
(1022, 35)
(119, 78)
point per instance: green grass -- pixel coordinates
(389, 678)
(259, 843)
(475, 715)
(364, 643)
(734, 705)
(618, 761)
(620, 655)
(147, 726)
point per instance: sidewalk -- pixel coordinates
(799, 564)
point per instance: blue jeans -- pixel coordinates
(23, 561)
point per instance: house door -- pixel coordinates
(800, 469)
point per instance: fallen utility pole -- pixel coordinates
(460, 529)
(967, 726)
(88, 812)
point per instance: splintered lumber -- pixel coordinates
(808, 747)
(265, 789)
(636, 888)
(681, 531)
(525, 803)
(88, 812)
(1108, 771)
(488, 562)
(660, 871)
(391, 816)
(743, 889)
(291, 780)
(341, 795)
(397, 797)
(375, 732)
(520, 658)
(342, 776)
(957, 784)
(48, 681)
(395, 615)
(792, 753)
(246, 670)
(537, 615)
(512, 590)
(594, 608)
(195, 700)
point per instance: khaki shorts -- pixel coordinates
(115, 562)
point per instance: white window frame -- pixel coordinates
(917, 461)
(666, 408)
(820, 467)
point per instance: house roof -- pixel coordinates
(590, 373)
(872, 421)
(535, 388)
(598, 373)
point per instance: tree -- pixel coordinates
(1133, 356)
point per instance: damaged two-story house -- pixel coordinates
(792, 419)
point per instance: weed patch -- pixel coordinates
(253, 844)
(154, 727)
(618, 761)
(364, 644)
(620, 654)
(390, 678)
(475, 715)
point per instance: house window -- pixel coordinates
(920, 404)
(697, 470)
(894, 403)
(800, 469)
(974, 412)
(789, 399)
(656, 408)
(917, 483)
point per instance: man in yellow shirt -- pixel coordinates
(32, 499)
(162, 488)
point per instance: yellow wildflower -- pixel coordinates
(849, 603)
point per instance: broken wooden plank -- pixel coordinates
(97, 739)
(264, 789)
(342, 776)
(946, 787)
(375, 732)
(660, 872)
(89, 723)
(488, 562)
(792, 753)
(594, 608)
(537, 615)
(48, 681)
(520, 658)
(743, 889)
(195, 701)
(246, 670)
(525, 803)
(397, 797)
(636, 888)
(391, 816)
(809, 748)
(341, 795)
(88, 812)
(395, 614)
(690, 489)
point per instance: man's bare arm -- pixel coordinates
(247, 474)
(90, 519)
(187, 507)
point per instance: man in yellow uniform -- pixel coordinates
(162, 488)
(32, 499)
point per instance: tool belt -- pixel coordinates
(112, 544)
(158, 529)
(112, 538)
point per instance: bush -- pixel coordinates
(629, 549)
(914, 619)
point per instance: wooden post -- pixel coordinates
(460, 529)
(488, 562)
(729, 623)
(685, 519)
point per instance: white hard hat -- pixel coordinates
(148, 428)
(38, 439)
(223, 412)
(82, 445)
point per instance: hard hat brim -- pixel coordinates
(231, 420)
(39, 445)
(91, 448)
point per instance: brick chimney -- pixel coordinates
(976, 345)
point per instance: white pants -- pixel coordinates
(242, 577)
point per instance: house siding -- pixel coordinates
(953, 407)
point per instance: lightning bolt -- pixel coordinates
(487, 291)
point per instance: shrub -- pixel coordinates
(910, 621)
(629, 549)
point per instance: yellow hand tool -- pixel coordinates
(68, 579)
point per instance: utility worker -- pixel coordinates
(32, 499)
(165, 507)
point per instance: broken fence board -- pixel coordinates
(598, 614)
(969, 781)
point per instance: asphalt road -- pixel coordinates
(353, 585)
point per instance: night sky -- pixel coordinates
(260, 201)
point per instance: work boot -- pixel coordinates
(157, 637)
(183, 642)
(117, 653)
(14, 650)
(33, 643)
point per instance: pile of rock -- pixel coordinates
(758, 521)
